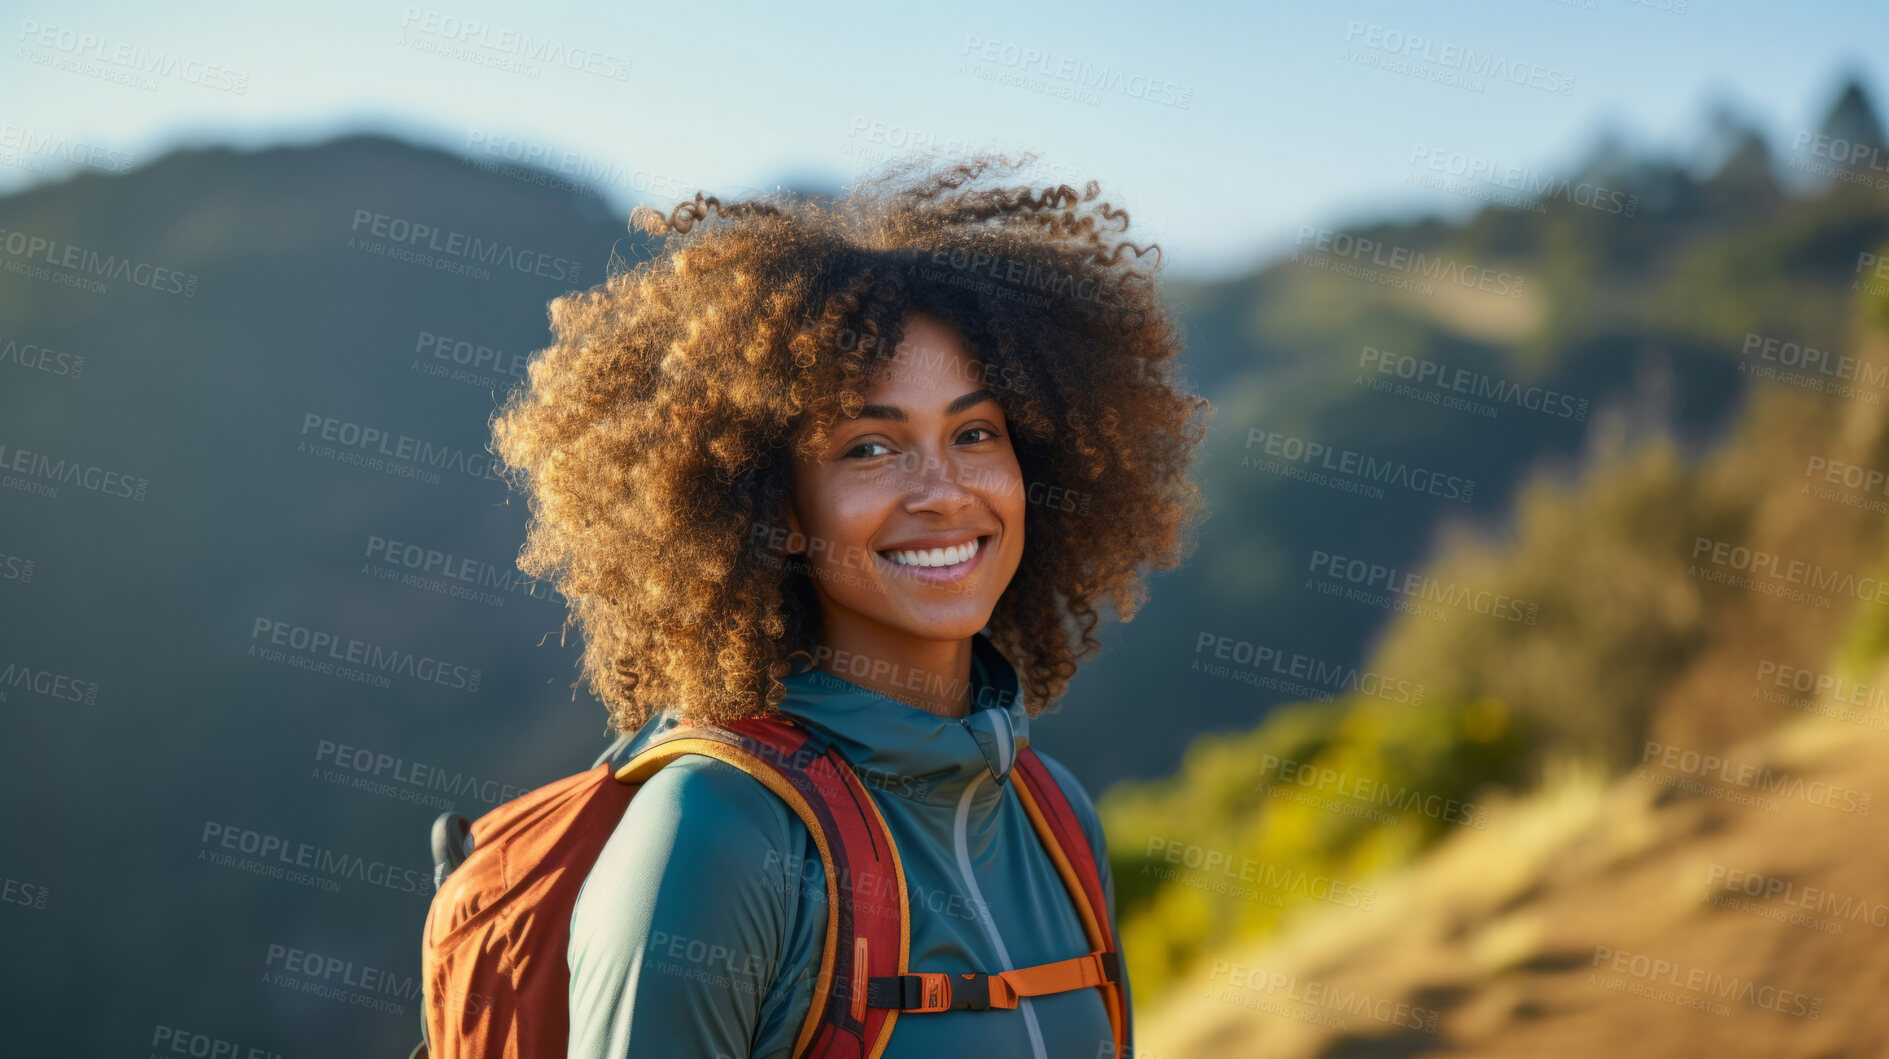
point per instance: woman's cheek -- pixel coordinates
(1014, 495)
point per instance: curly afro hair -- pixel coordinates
(653, 437)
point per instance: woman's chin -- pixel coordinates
(940, 623)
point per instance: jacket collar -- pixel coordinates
(912, 752)
(898, 748)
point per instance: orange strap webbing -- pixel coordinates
(978, 992)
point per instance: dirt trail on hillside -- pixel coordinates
(1674, 911)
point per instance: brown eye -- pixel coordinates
(854, 452)
(988, 433)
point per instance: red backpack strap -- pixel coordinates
(867, 927)
(1060, 830)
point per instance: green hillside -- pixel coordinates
(276, 304)
(1618, 631)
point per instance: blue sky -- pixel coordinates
(1225, 127)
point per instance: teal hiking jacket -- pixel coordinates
(698, 931)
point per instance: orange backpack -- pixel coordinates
(493, 960)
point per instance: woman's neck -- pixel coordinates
(932, 675)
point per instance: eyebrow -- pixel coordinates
(897, 415)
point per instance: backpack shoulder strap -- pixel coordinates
(867, 929)
(1060, 830)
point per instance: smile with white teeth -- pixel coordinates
(951, 556)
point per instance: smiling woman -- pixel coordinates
(659, 436)
(845, 481)
(925, 481)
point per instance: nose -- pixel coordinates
(935, 481)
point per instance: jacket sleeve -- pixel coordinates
(680, 925)
(1098, 843)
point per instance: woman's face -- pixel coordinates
(912, 516)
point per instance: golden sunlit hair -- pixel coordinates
(653, 437)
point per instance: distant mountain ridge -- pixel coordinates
(1281, 337)
(340, 307)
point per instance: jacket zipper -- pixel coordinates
(962, 848)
